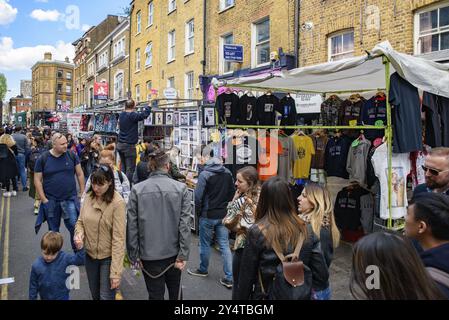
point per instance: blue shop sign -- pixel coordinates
(233, 53)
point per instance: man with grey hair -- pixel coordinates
(54, 178)
(436, 168)
(158, 229)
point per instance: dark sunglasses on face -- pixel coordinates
(433, 172)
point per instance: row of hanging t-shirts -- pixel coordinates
(106, 123)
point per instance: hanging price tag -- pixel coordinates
(353, 123)
(379, 123)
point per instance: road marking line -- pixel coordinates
(1, 219)
(5, 271)
(6, 281)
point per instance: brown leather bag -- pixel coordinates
(293, 268)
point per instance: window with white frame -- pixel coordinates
(68, 89)
(139, 21)
(138, 60)
(224, 4)
(119, 48)
(138, 93)
(103, 60)
(118, 86)
(149, 87)
(432, 29)
(150, 13)
(171, 5)
(189, 85)
(91, 69)
(190, 36)
(69, 76)
(171, 82)
(341, 46)
(149, 54)
(225, 66)
(261, 43)
(171, 45)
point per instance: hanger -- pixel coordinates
(333, 97)
(228, 90)
(282, 133)
(268, 93)
(380, 94)
(362, 136)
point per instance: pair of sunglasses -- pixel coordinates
(433, 172)
(102, 167)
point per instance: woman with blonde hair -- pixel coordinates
(8, 165)
(316, 209)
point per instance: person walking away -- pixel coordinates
(23, 147)
(316, 209)
(241, 213)
(8, 165)
(54, 179)
(402, 275)
(122, 185)
(48, 274)
(37, 149)
(101, 229)
(128, 136)
(279, 230)
(427, 221)
(214, 190)
(158, 229)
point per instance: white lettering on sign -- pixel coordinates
(308, 103)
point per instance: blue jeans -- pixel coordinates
(55, 210)
(98, 272)
(20, 159)
(207, 227)
(322, 295)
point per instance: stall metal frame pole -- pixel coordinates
(387, 128)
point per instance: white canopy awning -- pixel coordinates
(366, 73)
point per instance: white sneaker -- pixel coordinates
(14, 193)
(7, 194)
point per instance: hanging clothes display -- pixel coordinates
(348, 208)
(330, 110)
(336, 156)
(227, 105)
(406, 115)
(367, 212)
(266, 107)
(305, 151)
(317, 173)
(436, 109)
(287, 109)
(374, 112)
(269, 150)
(356, 164)
(241, 152)
(247, 105)
(287, 158)
(400, 171)
(351, 110)
(418, 160)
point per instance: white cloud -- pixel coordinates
(7, 13)
(85, 27)
(48, 15)
(12, 59)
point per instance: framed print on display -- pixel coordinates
(169, 118)
(176, 119)
(159, 119)
(193, 119)
(176, 136)
(209, 117)
(185, 135)
(185, 150)
(193, 134)
(184, 119)
(148, 121)
(204, 136)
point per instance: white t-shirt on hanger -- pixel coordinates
(400, 168)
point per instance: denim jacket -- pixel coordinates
(52, 209)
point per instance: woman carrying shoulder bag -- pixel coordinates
(241, 215)
(278, 227)
(8, 165)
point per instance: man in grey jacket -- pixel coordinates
(23, 146)
(158, 230)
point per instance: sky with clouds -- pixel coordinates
(28, 28)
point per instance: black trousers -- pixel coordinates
(171, 279)
(236, 262)
(7, 184)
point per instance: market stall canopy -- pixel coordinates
(358, 74)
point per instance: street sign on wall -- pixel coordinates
(170, 93)
(233, 52)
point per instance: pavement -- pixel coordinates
(20, 246)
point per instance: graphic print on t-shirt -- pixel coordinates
(228, 106)
(269, 107)
(249, 112)
(398, 183)
(301, 153)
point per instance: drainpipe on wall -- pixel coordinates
(129, 50)
(110, 67)
(297, 17)
(204, 41)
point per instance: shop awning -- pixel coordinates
(366, 73)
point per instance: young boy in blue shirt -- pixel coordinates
(48, 273)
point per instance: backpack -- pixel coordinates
(46, 154)
(292, 279)
(3, 151)
(32, 159)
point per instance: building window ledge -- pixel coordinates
(189, 53)
(226, 9)
(170, 12)
(171, 61)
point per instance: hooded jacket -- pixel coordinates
(438, 258)
(214, 190)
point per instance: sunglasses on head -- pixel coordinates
(433, 172)
(102, 167)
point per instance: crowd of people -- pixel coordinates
(281, 247)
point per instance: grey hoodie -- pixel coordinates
(356, 164)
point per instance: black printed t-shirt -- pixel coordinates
(287, 109)
(228, 108)
(406, 115)
(436, 109)
(266, 107)
(247, 107)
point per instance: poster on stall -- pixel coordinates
(74, 123)
(308, 103)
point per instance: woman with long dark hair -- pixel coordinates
(90, 157)
(279, 227)
(101, 229)
(386, 266)
(241, 215)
